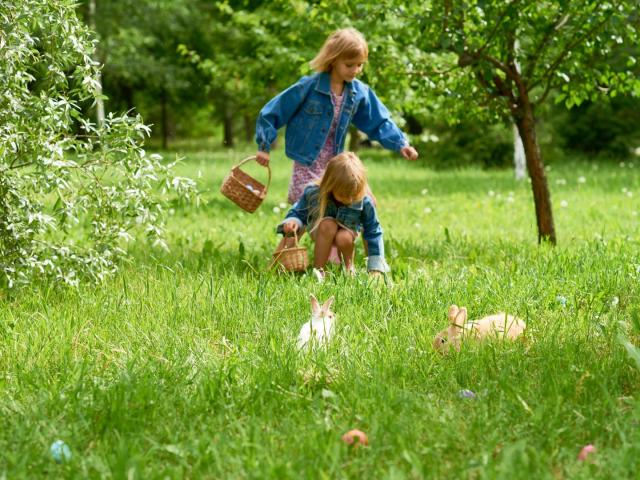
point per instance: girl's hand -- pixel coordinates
(290, 227)
(409, 152)
(262, 158)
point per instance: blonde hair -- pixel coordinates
(346, 176)
(345, 43)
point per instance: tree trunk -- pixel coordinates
(99, 100)
(249, 128)
(519, 159)
(126, 93)
(227, 128)
(354, 141)
(163, 119)
(541, 197)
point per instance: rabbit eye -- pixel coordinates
(443, 340)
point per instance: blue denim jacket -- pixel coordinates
(357, 216)
(306, 109)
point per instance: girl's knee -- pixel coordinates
(343, 239)
(327, 227)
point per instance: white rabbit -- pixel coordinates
(499, 325)
(321, 326)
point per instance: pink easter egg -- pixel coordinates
(586, 451)
(355, 438)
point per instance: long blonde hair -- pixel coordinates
(346, 176)
(346, 43)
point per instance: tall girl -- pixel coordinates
(318, 110)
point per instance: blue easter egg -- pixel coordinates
(60, 451)
(466, 394)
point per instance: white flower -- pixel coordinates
(629, 194)
(561, 181)
(561, 300)
(417, 225)
(564, 204)
(582, 180)
(622, 164)
(491, 193)
(427, 210)
(276, 209)
(615, 301)
(424, 191)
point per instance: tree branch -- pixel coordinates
(21, 165)
(496, 27)
(569, 47)
(558, 23)
(509, 72)
(547, 90)
(424, 73)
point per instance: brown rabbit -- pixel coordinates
(499, 325)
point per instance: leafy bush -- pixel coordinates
(467, 143)
(609, 128)
(71, 192)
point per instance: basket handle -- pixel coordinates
(295, 238)
(253, 157)
(276, 257)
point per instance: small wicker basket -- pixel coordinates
(291, 259)
(244, 190)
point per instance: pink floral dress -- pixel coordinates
(303, 175)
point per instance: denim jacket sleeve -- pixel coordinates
(299, 212)
(373, 118)
(372, 233)
(278, 111)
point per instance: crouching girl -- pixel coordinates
(335, 210)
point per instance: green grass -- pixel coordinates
(184, 364)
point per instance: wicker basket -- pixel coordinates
(244, 190)
(291, 259)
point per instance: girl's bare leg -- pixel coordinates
(325, 235)
(345, 244)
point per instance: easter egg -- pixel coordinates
(355, 438)
(586, 451)
(466, 394)
(60, 451)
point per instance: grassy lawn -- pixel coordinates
(184, 364)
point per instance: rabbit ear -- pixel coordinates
(453, 311)
(461, 316)
(315, 306)
(327, 304)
